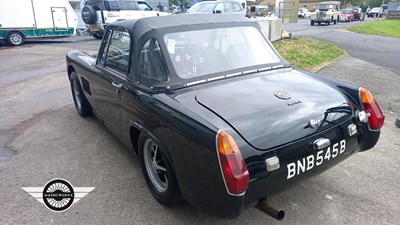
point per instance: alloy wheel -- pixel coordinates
(155, 165)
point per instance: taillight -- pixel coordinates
(233, 167)
(371, 107)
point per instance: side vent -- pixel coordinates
(86, 86)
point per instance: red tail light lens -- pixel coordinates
(376, 118)
(233, 167)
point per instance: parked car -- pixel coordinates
(325, 12)
(357, 13)
(258, 10)
(214, 112)
(220, 6)
(346, 15)
(375, 12)
(97, 14)
(303, 13)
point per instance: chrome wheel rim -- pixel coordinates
(15, 39)
(155, 165)
(76, 94)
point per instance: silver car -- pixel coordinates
(225, 6)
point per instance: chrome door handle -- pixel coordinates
(118, 86)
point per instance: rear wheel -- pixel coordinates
(97, 35)
(82, 105)
(15, 38)
(157, 171)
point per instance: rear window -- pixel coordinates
(203, 52)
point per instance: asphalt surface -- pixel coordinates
(382, 51)
(42, 138)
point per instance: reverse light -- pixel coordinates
(372, 110)
(234, 168)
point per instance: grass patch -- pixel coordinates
(308, 54)
(386, 27)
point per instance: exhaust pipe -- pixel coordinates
(264, 207)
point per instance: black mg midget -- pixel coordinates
(215, 114)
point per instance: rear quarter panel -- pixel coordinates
(189, 141)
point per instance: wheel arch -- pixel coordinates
(134, 133)
(70, 69)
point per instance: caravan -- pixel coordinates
(23, 19)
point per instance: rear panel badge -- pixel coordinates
(286, 96)
(283, 95)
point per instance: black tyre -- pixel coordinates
(157, 171)
(328, 23)
(97, 35)
(312, 22)
(15, 38)
(89, 15)
(82, 105)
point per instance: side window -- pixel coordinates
(237, 7)
(144, 7)
(104, 44)
(152, 64)
(117, 56)
(228, 7)
(220, 7)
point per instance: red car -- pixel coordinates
(346, 15)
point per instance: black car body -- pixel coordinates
(214, 112)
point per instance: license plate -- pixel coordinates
(307, 163)
(93, 28)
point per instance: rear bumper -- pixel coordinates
(322, 20)
(265, 184)
(98, 27)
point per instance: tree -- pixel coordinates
(173, 2)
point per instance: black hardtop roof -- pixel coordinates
(182, 22)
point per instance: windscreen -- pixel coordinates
(202, 52)
(121, 5)
(202, 7)
(346, 11)
(325, 7)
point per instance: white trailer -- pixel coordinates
(22, 19)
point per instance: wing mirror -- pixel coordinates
(217, 11)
